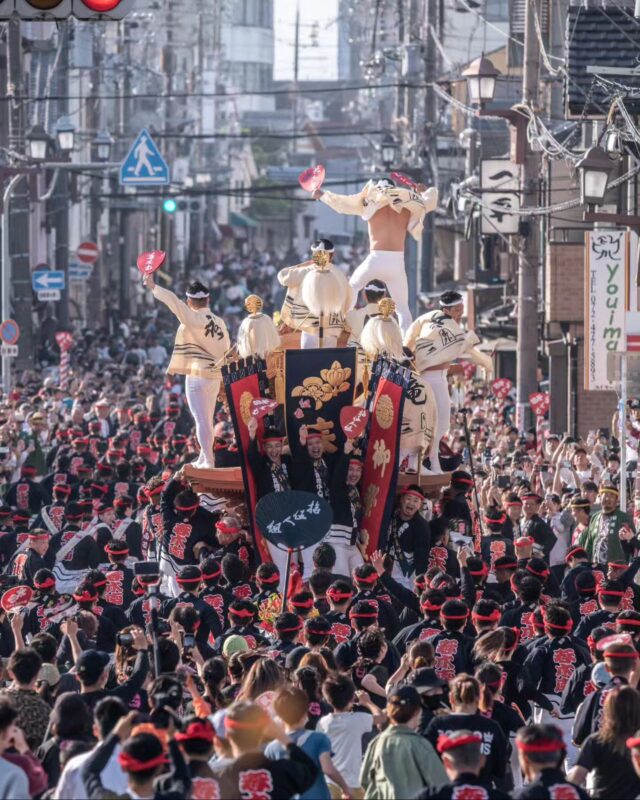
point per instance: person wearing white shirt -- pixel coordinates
(71, 785)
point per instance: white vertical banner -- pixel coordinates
(606, 302)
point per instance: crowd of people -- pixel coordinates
(490, 648)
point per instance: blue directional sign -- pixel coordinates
(144, 164)
(41, 280)
(80, 272)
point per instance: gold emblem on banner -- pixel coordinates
(384, 411)
(246, 398)
(328, 385)
(370, 499)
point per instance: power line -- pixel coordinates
(230, 95)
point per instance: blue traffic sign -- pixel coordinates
(41, 280)
(80, 272)
(144, 164)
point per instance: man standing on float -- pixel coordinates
(201, 343)
(390, 212)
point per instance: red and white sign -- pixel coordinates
(16, 597)
(87, 253)
(353, 421)
(398, 177)
(312, 178)
(501, 387)
(64, 340)
(262, 406)
(539, 402)
(151, 261)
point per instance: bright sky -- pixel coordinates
(318, 24)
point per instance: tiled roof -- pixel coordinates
(598, 37)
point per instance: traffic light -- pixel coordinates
(169, 205)
(61, 9)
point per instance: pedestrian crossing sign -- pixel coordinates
(144, 164)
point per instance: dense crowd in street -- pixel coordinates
(489, 648)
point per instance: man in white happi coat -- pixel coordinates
(201, 342)
(391, 212)
(436, 339)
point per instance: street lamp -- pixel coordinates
(38, 141)
(65, 134)
(388, 149)
(102, 145)
(481, 80)
(595, 167)
(613, 143)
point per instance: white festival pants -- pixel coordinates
(437, 379)
(387, 266)
(202, 394)
(311, 341)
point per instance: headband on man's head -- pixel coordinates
(201, 294)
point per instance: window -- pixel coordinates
(254, 13)
(253, 77)
(496, 10)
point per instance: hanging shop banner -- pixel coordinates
(387, 389)
(244, 382)
(606, 300)
(319, 383)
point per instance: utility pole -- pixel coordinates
(293, 213)
(431, 65)
(60, 200)
(18, 244)
(529, 251)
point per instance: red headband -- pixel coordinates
(47, 583)
(100, 488)
(543, 746)
(209, 576)
(38, 536)
(289, 630)
(269, 578)
(575, 551)
(186, 508)
(367, 578)
(566, 627)
(413, 493)
(336, 595)
(313, 435)
(156, 490)
(224, 528)
(633, 741)
(454, 616)
(466, 481)
(498, 521)
(241, 612)
(273, 439)
(479, 572)
(631, 621)
(524, 541)
(196, 730)
(363, 615)
(62, 487)
(494, 616)
(316, 632)
(508, 565)
(617, 565)
(511, 503)
(612, 592)
(614, 654)
(429, 606)
(302, 603)
(542, 573)
(189, 580)
(446, 743)
(122, 552)
(131, 764)
(85, 597)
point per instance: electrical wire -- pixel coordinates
(556, 72)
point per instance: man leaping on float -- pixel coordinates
(391, 212)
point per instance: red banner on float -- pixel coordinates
(386, 393)
(245, 382)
